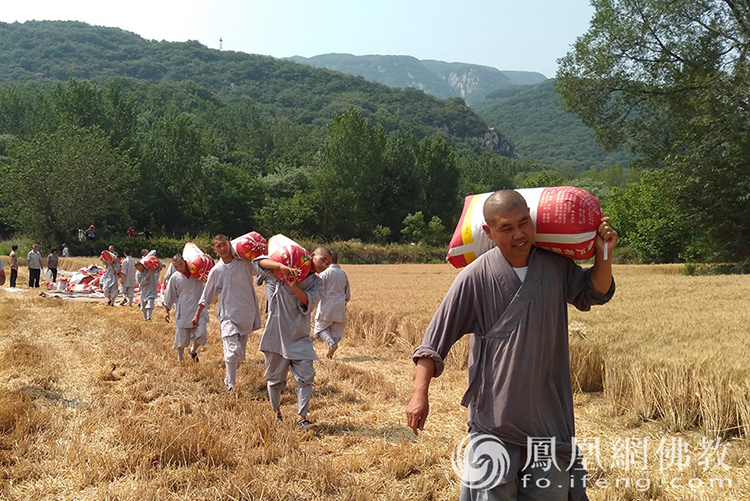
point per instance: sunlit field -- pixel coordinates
(94, 405)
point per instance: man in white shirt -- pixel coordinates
(35, 264)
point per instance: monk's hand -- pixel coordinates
(605, 234)
(166, 316)
(286, 270)
(416, 412)
(195, 320)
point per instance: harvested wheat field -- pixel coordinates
(94, 404)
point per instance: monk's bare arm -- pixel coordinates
(419, 406)
(601, 273)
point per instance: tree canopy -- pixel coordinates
(670, 81)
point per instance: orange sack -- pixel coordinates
(249, 246)
(150, 262)
(107, 256)
(565, 220)
(199, 264)
(286, 251)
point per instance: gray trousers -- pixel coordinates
(303, 372)
(128, 292)
(531, 484)
(329, 332)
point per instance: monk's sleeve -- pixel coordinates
(455, 317)
(170, 295)
(259, 271)
(580, 290)
(314, 294)
(211, 291)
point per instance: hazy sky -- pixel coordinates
(508, 35)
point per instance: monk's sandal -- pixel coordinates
(304, 425)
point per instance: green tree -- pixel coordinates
(345, 184)
(647, 220)
(400, 186)
(414, 229)
(670, 80)
(57, 182)
(435, 234)
(437, 164)
(542, 179)
(171, 173)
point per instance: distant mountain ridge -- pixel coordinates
(471, 82)
(49, 51)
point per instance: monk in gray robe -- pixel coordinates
(128, 279)
(231, 280)
(330, 318)
(183, 292)
(108, 281)
(286, 342)
(148, 283)
(513, 300)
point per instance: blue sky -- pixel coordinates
(508, 35)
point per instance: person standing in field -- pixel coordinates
(65, 250)
(148, 281)
(13, 265)
(128, 279)
(108, 281)
(2, 272)
(286, 342)
(183, 292)
(35, 264)
(231, 280)
(330, 319)
(514, 300)
(52, 261)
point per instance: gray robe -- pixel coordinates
(109, 279)
(237, 310)
(519, 372)
(184, 292)
(148, 287)
(287, 330)
(128, 272)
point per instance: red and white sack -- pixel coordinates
(151, 262)
(565, 220)
(249, 246)
(107, 256)
(198, 263)
(286, 251)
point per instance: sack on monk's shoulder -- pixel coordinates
(249, 246)
(286, 251)
(565, 220)
(199, 264)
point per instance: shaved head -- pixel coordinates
(501, 202)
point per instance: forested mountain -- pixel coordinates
(531, 117)
(444, 80)
(522, 104)
(58, 50)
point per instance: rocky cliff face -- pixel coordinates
(463, 83)
(498, 143)
(472, 82)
